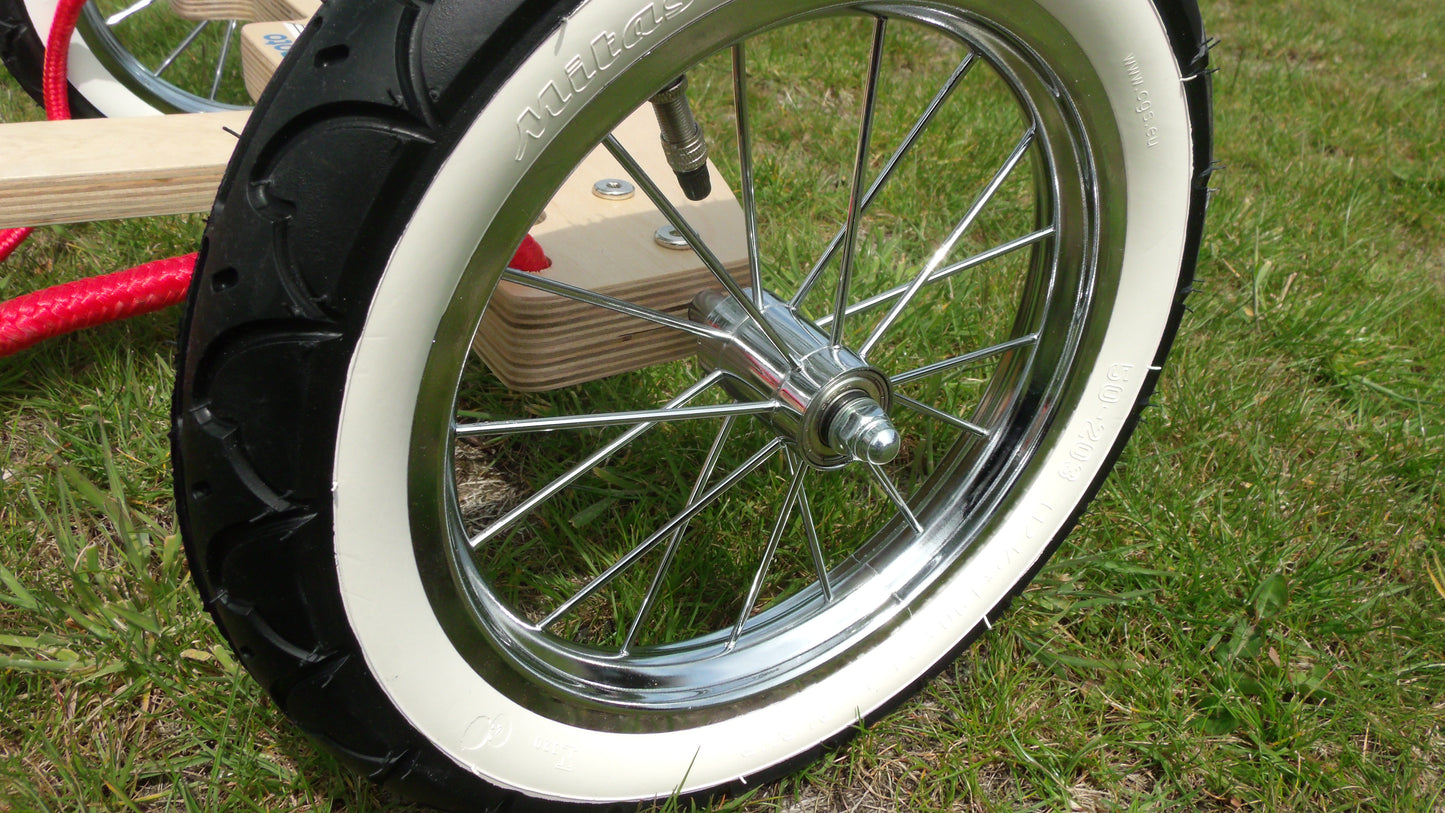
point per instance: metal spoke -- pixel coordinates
(884, 482)
(576, 472)
(964, 360)
(221, 61)
(815, 548)
(614, 419)
(932, 412)
(885, 175)
(709, 464)
(855, 189)
(649, 187)
(946, 272)
(181, 48)
(936, 261)
(745, 171)
(794, 488)
(633, 556)
(115, 18)
(563, 289)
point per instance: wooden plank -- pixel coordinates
(533, 340)
(256, 10)
(99, 169)
(284, 10)
(263, 46)
(214, 9)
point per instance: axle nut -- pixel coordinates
(862, 429)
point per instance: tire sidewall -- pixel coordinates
(509, 745)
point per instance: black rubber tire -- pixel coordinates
(24, 56)
(326, 176)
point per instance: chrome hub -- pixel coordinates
(834, 404)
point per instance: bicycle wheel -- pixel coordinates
(129, 58)
(962, 269)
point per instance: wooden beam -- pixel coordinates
(214, 9)
(282, 10)
(257, 10)
(101, 169)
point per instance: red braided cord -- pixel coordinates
(10, 239)
(84, 303)
(55, 80)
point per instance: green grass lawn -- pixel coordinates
(1251, 616)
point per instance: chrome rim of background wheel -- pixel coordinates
(645, 574)
(174, 65)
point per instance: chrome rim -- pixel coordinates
(659, 549)
(174, 65)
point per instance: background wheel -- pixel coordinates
(476, 594)
(129, 58)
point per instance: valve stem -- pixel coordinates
(682, 139)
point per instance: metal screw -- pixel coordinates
(613, 189)
(669, 237)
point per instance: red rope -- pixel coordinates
(55, 81)
(10, 239)
(32, 318)
(84, 303)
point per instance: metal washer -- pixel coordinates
(613, 189)
(669, 237)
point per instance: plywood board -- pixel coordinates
(282, 10)
(214, 9)
(258, 10)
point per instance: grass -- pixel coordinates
(1251, 616)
